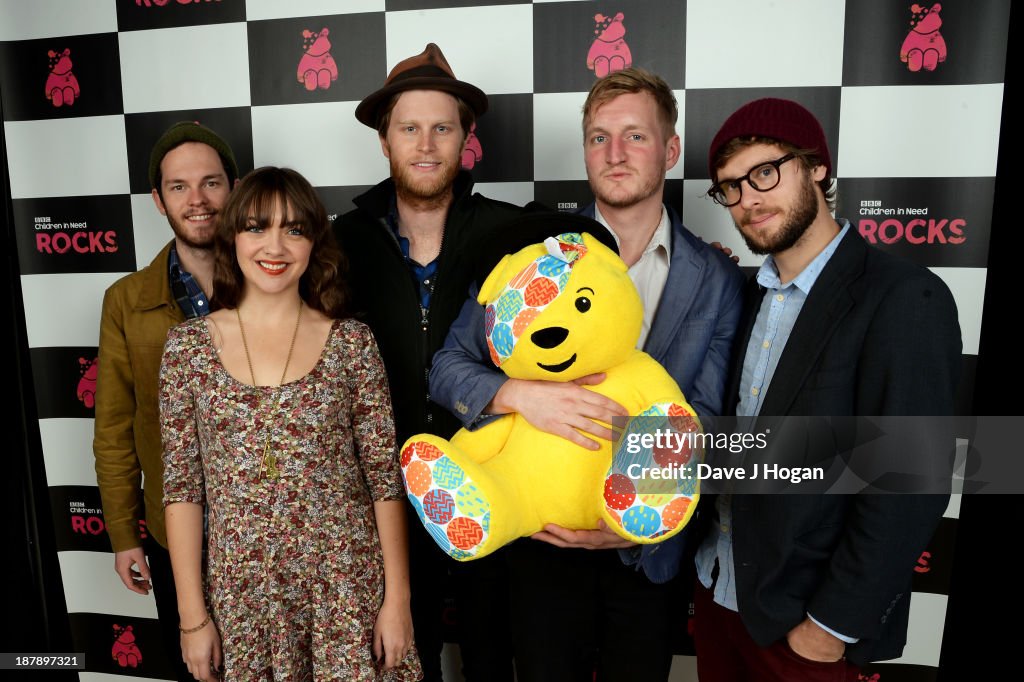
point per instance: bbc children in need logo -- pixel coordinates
(673, 452)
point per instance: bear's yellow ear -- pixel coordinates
(597, 249)
(495, 282)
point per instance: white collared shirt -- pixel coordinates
(650, 272)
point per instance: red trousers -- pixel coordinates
(726, 652)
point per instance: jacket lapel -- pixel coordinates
(752, 297)
(827, 304)
(685, 272)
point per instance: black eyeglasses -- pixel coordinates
(761, 177)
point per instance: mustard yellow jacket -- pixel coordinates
(138, 310)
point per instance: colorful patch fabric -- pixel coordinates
(527, 294)
(451, 506)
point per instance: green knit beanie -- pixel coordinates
(191, 131)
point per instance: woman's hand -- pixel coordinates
(201, 652)
(392, 633)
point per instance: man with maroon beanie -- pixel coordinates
(810, 587)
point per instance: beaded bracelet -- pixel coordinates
(197, 628)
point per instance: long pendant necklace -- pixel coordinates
(269, 461)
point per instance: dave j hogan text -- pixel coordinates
(701, 472)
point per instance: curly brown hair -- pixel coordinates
(257, 197)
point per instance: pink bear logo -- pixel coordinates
(924, 45)
(473, 151)
(317, 67)
(125, 651)
(89, 369)
(609, 51)
(61, 85)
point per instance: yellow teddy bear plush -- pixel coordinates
(558, 311)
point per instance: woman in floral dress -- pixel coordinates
(276, 416)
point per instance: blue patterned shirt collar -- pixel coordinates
(768, 274)
(186, 289)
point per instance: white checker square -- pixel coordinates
(85, 676)
(924, 636)
(968, 288)
(953, 508)
(558, 136)
(490, 47)
(684, 669)
(200, 67)
(91, 586)
(518, 193)
(940, 131)
(753, 44)
(64, 310)
(21, 20)
(67, 451)
(322, 141)
(151, 230)
(67, 157)
(257, 10)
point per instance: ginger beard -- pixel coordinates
(421, 191)
(796, 222)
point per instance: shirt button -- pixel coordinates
(427, 281)
(780, 297)
(725, 529)
(754, 391)
(200, 304)
(766, 344)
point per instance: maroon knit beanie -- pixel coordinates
(779, 119)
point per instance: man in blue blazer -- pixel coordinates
(578, 605)
(809, 587)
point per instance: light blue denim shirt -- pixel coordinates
(775, 320)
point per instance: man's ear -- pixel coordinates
(673, 152)
(159, 202)
(818, 173)
(384, 147)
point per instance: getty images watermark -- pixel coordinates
(820, 454)
(677, 450)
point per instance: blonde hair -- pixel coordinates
(632, 81)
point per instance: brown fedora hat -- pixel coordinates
(428, 70)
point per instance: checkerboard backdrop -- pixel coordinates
(88, 85)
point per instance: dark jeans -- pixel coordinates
(480, 589)
(576, 612)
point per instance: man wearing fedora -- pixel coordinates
(809, 587)
(411, 244)
(191, 170)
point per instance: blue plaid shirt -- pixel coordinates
(186, 289)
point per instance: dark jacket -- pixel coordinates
(877, 336)
(386, 296)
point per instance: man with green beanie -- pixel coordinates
(191, 172)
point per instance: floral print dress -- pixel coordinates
(294, 570)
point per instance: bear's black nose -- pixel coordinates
(549, 337)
